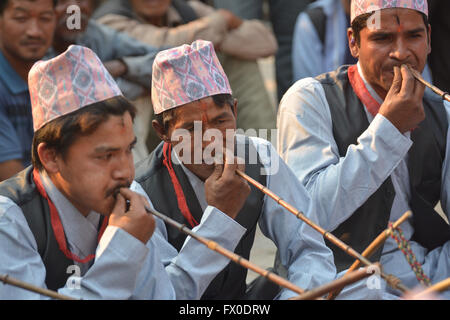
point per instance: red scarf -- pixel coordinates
(57, 226)
(181, 199)
(361, 91)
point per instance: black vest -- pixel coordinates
(425, 161)
(22, 191)
(154, 178)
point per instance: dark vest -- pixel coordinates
(154, 178)
(22, 191)
(425, 161)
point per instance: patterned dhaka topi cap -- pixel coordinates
(68, 82)
(186, 73)
(360, 7)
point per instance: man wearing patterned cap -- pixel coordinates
(185, 177)
(369, 142)
(67, 214)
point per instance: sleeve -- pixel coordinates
(302, 250)
(252, 40)
(306, 143)
(138, 57)
(193, 268)
(9, 141)
(211, 27)
(445, 194)
(307, 49)
(119, 259)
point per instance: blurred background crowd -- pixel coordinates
(263, 45)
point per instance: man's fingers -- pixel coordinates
(408, 81)
(120, 205)
(229, 169)
(397, 82)
(135, 199)
(217, 173)
(419, 90)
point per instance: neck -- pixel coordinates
(156, 21)
(22, 67)
(382, 93)
(59, 184)
(61, 45)
(201, 171)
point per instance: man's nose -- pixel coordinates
(33, 30)
(123, 168)
(400, 50)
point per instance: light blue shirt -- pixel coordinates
(309, 262)
(340, 185)
(311, 57)
(124, 267)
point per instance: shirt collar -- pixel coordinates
(197, 185)
(10, 77)
(81, 232)
(371, 90)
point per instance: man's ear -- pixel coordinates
(48, 158)
(429, 39)
(159, 129)
(235, 103)
(353, 46)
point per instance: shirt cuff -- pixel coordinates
(121, 242)
(217, 226)
(393, 139)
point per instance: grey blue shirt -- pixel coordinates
(124, 267)
(340, 185)
(16, 122)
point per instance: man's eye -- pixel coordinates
(381, 38)
(416, 36)
(105, 156)
(20, 19)
(130, 149)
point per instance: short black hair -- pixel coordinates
(4, 3)
(219, 99)
(360, 23)
(60, 133)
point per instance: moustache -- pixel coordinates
(390, 68)
(115, 190)
(34, 41)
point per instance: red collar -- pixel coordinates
(181, 199)
(358, 85)
(57, 226)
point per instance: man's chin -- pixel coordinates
(32, 55)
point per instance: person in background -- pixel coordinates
(26, 33)
(282, 14)
(240, 43)
(320, 43)
(127, 60)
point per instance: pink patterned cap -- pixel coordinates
(360, 7)
(186, 73)
(68, 82)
